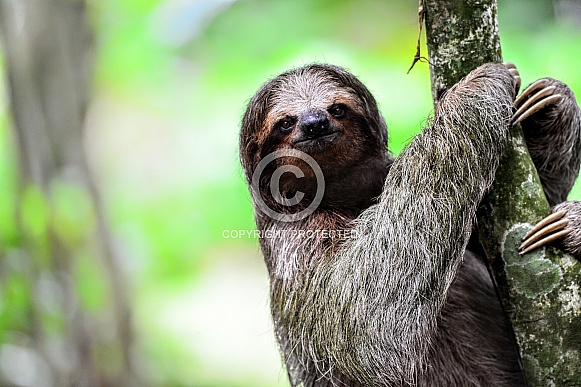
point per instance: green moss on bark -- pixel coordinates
(456, 32)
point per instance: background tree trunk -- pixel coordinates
(71, 338)
(540, 290)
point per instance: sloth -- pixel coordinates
(373, 281)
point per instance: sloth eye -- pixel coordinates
(337, 111)
(286, 124)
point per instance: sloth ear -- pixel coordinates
(249, 155)
(374, 117)
(251, 124)
(382, 128)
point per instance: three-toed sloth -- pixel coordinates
(390, 295)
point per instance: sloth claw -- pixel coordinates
(533, 99)
(515, 74)
(509, 65)
(550, 229)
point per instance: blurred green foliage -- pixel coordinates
(171, 83)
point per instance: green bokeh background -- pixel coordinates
(171, 84)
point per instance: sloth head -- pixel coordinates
(327, 113)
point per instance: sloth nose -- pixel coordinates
(314, 123)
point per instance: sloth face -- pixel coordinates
(316, 116)
(321, 110)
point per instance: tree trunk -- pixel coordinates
(63, 238)
(539, 291)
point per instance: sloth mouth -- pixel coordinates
(319, 140)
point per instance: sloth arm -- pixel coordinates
(385, 288)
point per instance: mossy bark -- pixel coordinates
(539, 291)
(461, 36)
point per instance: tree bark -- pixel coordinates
(539, 291)
(48, 50)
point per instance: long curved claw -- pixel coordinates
(536, 97)
(515, 74)
(536, 85)
(550, 229)
(537, 102)
(547, 220)
(545, 241)
(509, 65)
(517, 79)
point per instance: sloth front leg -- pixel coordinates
(551, 121)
